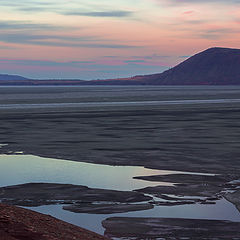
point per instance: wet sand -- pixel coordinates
(193, 137)
(77, 198)
(170, 228)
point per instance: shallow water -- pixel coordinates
(222, 210)
(19, 169)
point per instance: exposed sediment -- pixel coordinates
(191, 178)
(198, 137)
(205, 189)
(234, 198)
(170, 228)
(78, 198)
(106, 208)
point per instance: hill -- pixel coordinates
(18, 224)
(12, 80)
(7, 77)
(215, 66)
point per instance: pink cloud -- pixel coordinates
(188, 13)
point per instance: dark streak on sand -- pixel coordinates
(170, 228)
(107, 208)
(78, 198)
(205, 189)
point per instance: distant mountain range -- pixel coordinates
(214, 66)
(11, 80)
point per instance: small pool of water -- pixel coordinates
(19, 169)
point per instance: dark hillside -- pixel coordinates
(215, 66)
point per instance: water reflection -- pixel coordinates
(19, 169)
(222, 210)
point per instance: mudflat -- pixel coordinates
(164, 128)
(234, 198)
(170, 228)
(77, 198)
(200, 137)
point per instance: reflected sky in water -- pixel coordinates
(18, 169)
(222, 210)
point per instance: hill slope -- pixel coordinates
(15, 80)
(215, 66)
(7, 77)
(18, 224)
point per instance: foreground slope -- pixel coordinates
(18, 224)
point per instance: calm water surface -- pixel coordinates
(19, 169)
(222, 210)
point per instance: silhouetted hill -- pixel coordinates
(215, 66)
(11, 80)
(7, 77)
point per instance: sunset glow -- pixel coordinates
(107, 39)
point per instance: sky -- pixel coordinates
(110, 39)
